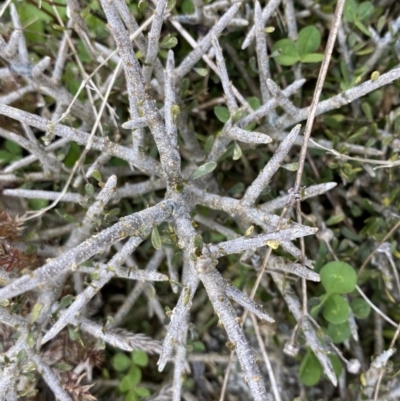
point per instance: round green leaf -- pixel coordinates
(360, 308)
(309, 40)
(142, 392)
(140, 358)
(338, 332)
(365, 10)
(125, 384)
(338, 277)
(37, 204)
(287, 52)
(254, 102)
(222, 113)
(121, 362)
(336, 309)
(203, 170)
(134, 375)
(310, 370)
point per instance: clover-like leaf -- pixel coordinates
(308, 40)
(336, 309)
(339, 332)
(121, 362)
(338, 277)
(287, 52)
(140, 358)
(360, 308)
(310, 370)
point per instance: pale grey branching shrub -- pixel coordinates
(82, 258)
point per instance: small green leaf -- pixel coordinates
(171, 5)
(198, 241)
(374, 76)
(249, 231)
(222, 113)
(287, 52)
(254, 102)
(310, 370)
(5, 157)
(362, 27)
(291, 166)
(121, 362)
(312, 58)
(169, 42)
(339, 332)
(97, 175)
(73, 154)
(150, 291)
(236, 188)
(336, 219)
(350, 10)
(142, 6)
(13, 148)
(30, 340)
(336, 309)
(140, 358)
(203, 170)
(366, 108)
(21, 355)
(89, 189)
(36, 312)
(85, 12)
(338, 277)
(365, 10)
(63, 366)
(237, 116)
(38, 204)
(187, 7)
(142, 392)
(155, 238)
(175, 110)
(135, 375)
(131, 396)
(198, 346)
(125, 384)
(360, 308)
(308, 40)
(237, 152)
(381, 23)
(203, 72)
(209, 143)
(337, 364)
